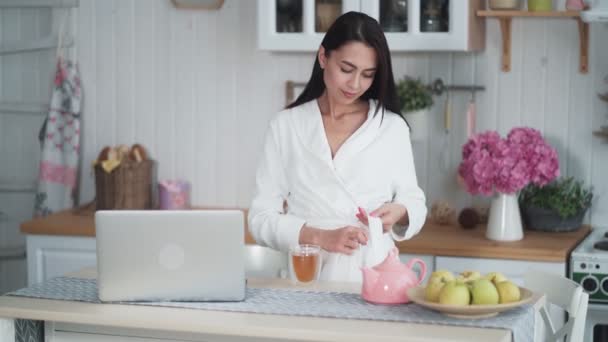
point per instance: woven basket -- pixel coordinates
(129, 186)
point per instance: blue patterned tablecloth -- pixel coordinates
(300, 303)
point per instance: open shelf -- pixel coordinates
(505, 27)
(542, 14)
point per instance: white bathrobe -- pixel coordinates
(374, 166)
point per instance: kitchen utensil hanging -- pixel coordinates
(438, 87)
(471, 116)
(444, 158)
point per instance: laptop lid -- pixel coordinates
(161, 255)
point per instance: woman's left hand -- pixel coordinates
(389, 213)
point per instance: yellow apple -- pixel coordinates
(468, 276)
(483, 292)
(455, 293)
(441, 275)
(508, 292)
(495, 277)
(432, 290)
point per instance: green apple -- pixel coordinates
(441, 275)
(483, 292)
(435, 283)
(432, 290)
(508, 292)
(495, 277)
(455, 293)
(468, 276)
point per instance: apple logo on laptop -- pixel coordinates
(171, 256)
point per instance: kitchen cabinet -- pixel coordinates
(421, 25)
(52, 256)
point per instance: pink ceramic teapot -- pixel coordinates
(388, 282)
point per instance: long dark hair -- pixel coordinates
(349, 27)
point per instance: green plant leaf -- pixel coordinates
(566, 196)
(413, 95)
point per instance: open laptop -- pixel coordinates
(161, 255)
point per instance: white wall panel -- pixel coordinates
(193, 88)
(24, 77)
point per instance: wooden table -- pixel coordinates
(78, 321)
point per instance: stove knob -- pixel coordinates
(605, 286)
(583, 265)
(590, 284)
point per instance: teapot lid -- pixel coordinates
(391, 263)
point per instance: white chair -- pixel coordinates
(264, 262)
(567, 295)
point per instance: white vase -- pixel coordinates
(504, 220)
(418, 122)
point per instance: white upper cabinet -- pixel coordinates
(410, 25)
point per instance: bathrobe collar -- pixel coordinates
(308, 125)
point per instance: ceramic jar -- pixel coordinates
(540, 5)
(503, 4)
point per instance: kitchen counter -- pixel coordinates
(455, 241)
(81, 222)
(134, 320)
(434, 239)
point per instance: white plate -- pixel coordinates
(416, 295)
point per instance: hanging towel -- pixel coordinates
(60, 142)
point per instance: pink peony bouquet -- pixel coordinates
(491, 163)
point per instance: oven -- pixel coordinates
(589, 267)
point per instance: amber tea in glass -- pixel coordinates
(305, 263)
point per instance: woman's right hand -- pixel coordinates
(344, 240)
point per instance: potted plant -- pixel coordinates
(416, 98)
(492, 165)
(557, 207)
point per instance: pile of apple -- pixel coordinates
(470, 287)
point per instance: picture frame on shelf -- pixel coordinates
(293, 90)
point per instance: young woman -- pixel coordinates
(340, 151)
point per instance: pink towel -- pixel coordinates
(60, 143)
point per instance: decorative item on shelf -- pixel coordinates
(431, 20)
(393, 15)
(504, 4)
(556, 207)
(575, 5)
(289, 15)
(442, 212)
(198, 4)
(501, 167)
(174, 194)
(327, 11)
(123, 178)
(468, 218)
(540, 5)
(483, 212)
(603, 131)
(416, 99)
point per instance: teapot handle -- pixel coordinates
(411, 263)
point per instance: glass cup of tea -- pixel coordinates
(304, 263)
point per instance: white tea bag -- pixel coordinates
(375, 253)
